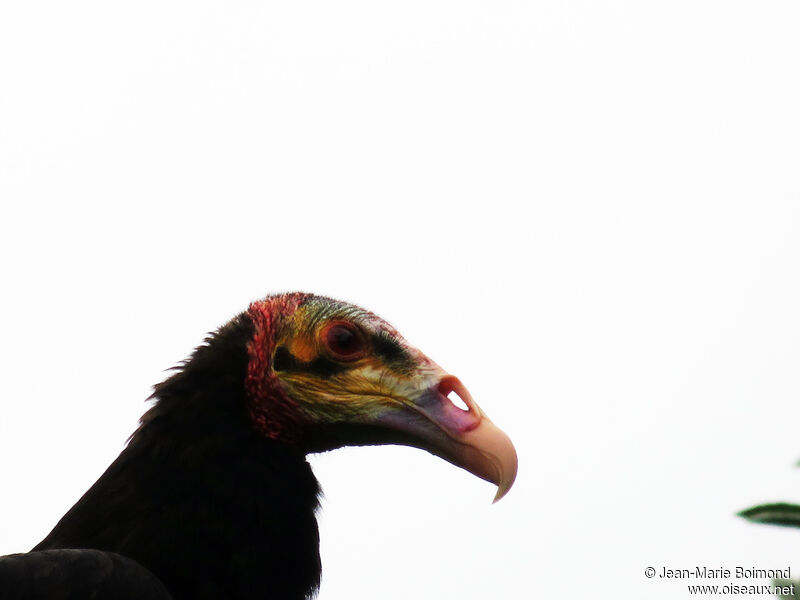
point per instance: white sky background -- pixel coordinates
(587, 210)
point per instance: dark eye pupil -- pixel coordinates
(343, 340)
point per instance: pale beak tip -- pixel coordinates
(507, 478)
(500, 493)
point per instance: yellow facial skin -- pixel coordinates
(329, 388)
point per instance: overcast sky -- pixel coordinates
(588, 211)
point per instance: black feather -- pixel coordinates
(77, 575)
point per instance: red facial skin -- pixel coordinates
(274, 414)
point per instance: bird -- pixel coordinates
(213, 495)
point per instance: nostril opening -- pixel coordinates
(456, 400)
(448, 387)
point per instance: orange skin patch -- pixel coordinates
(303, 349)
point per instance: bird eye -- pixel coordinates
(343, 340)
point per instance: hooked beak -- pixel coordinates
(465, 438)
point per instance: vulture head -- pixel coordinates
(323, 374)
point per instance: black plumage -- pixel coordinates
(196, 460)
(77, 575)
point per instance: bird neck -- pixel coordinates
(200, 498)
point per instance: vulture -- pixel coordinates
(213, 496)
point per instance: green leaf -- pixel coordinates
(791, 584)
(779, 513)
